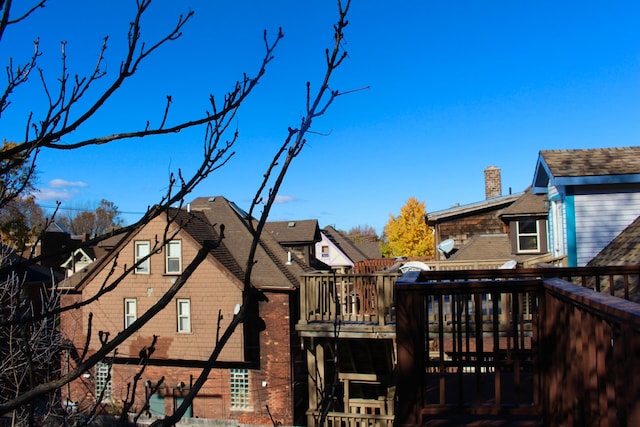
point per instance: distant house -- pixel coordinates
(342, 254)
(468, 224)
(298, 237)
(593, 195)
(79, 260)
(262, 365)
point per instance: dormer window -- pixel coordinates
(528, 237)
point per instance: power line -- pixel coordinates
(88, 210)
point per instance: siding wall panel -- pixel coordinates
(600, 218)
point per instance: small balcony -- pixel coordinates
(362, 304)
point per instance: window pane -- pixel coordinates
(183, 307)
(173, 249)
(173, 265)
(528, 226)
(528, 243)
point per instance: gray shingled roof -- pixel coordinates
(271, 269)
(484, 246)
(593, 162)
(527, 205)
(291, 233)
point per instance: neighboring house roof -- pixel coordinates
(13, 264)
(345, 245)
(622, 250)
(272, 268)
(586, 166)
(472, 208)
(527, 205)
(294, 233)
(370, 249)
(484, 246)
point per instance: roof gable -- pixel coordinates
(617, 165)
(192, 224)
(345, 245)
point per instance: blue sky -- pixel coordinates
(455, 86)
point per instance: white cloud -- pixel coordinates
(285, 199)
(62, 183)
(48, 194)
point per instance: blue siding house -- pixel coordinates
(593, 194)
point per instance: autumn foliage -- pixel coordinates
(407, 234)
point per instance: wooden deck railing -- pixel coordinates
(369, 298)
(518, 342)
(351, 298)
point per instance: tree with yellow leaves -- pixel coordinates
(407, 234)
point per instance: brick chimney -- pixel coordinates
(492, 182)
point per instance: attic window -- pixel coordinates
(292, 224)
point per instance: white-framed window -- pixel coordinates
(184, 315)
(142, 249)
(239, 386)
(130, 311)
(324, 252)
(103, 380)
(527, 235)
(173, 252)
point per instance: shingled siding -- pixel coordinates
(599, 218)
(462, 229)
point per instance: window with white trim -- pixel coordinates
(130, 311)
(527, 235)
(142, 249)
(184, 315)
(239, 382)
(103, 380)
(173, 252)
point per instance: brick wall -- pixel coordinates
(492, 182)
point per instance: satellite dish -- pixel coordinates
(414, 266)
(509, 265)
(446, 246)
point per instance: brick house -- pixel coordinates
(254, 371)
